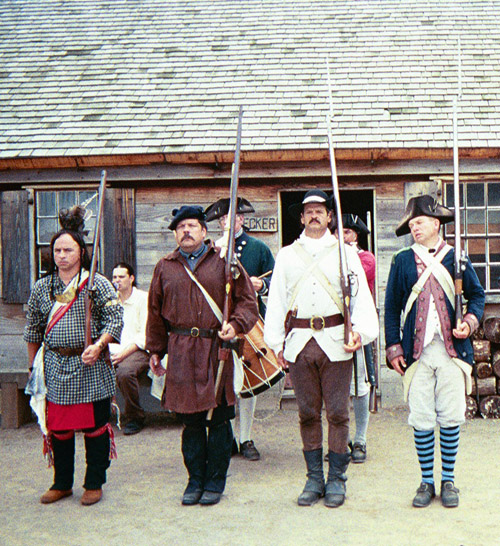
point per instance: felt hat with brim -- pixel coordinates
(423, 205)
(221, 207)
(312, 196)
(352, 221)
(187, 211)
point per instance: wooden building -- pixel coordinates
(150, 92)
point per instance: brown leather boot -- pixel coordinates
(91, 496)
(53, 495)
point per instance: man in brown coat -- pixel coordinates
(185, 297)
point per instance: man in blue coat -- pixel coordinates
(424, 345)
(257, 259)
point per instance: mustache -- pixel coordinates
(187, 236)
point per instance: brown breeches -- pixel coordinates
(316, 380)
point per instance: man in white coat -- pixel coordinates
(306, 294)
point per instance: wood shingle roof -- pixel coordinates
(92, 77)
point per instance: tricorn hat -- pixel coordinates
(312, 196)
(352, 221)
(186, 211)
(221, 207)
(423, 205)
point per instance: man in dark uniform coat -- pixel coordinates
(257, 259)
(182, 320)
(424, 345)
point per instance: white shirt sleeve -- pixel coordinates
(274, 323)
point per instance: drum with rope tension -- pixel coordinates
(260, 366)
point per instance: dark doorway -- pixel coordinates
(358, 202)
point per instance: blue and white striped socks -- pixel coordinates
(448, 439)
(424, 443)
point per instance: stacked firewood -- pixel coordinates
(485, 397)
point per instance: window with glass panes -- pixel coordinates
(48, 205)
(480, 227)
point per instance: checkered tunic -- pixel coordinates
(68, 380)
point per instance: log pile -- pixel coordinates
(485, 397)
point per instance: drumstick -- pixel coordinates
(266, 274)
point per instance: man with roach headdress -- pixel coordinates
(78, 383)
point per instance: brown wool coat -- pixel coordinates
(176, 301)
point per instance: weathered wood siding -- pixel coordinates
(15, 246)
(154, 208)
(118, 229)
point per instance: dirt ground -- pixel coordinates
(141, 502)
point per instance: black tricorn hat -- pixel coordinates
(312, 196)
(352, 221)
(221, 207)
(187, 211)
(423, 205)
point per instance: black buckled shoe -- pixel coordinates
(358, 453)
(249, 451)
(449, 494)
(425, 493)
(133, 427)
(191, 496)
(210, 497)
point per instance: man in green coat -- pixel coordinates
(257, 259)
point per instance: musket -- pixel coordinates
(89, 295)
(231, 271)
(460, 257)
(371, 367)
(345, 276)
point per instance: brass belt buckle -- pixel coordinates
(195, 332)
(313, 322)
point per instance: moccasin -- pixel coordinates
(91, 496)
(53, 495)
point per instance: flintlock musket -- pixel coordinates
(231, 270)
(89, 295)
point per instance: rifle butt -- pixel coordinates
(88, 321)
(373, 402)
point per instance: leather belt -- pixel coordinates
(317, 323)
(66, 351)
(195, 332)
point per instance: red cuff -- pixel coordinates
(393, 351)
(472, 321)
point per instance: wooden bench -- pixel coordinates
(15, 407)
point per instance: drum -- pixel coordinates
(260, 365)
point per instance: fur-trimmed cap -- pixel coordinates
(423, 205)
(186, 211)
(312, 196)
(221, 207)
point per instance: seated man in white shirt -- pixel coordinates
(129, 356)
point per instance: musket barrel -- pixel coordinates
(93, 263)
(344, 274)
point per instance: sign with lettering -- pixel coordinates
(264, 223)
